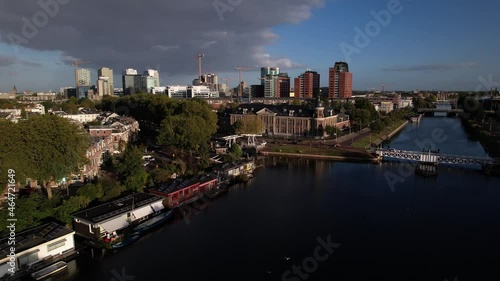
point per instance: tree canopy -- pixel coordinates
(131, 170)
(249, 125)
(44, 147)
(185, 124)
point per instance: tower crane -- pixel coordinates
(241, 68)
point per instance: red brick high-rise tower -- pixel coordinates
(340, 81)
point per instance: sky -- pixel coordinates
(406, 45)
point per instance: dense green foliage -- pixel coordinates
(131, 170)
(248, 125)
(185, 124)
(471, 106)
(46, 148)
(236, 151)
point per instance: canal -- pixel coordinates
(317, 220)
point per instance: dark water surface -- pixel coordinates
(414, 228)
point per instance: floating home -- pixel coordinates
(180, 190)
(109, 218)
(35, 247)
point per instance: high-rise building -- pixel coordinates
(83, 77)
(256, 91)
(340, 81)
(307, 85)
(103, 87)
(264, 71)
(132, 82)
(151, 79)
(107, 72)
(210, 80)
(283, 85)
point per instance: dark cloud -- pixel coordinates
(166, 34)
(30, 63)
(431, 67)
(6, 61)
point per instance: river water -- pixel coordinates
(378, 222)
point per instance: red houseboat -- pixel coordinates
(181, 191)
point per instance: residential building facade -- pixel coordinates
(306, 86)
(47, 244)
(107, 72)
(340, 81)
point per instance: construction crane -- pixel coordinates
(76, 63)
(241, 68)
(200, 56)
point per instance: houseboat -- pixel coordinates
(153, 222)
(38, 247)
(49, 270)
(126, 241)
(232, 170)
(184, 191)
(109, 220)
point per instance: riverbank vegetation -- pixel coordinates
(382, 125)
(50, 148)
(317, 149)
(480, 126)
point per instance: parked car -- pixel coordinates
(337, 145)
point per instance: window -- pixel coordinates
(28, 258)
(55, 245)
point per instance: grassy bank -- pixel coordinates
(317, 150)
(380, 137)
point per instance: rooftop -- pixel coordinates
(116, 207)
(282, 110)
(33, 237)
(175, 185)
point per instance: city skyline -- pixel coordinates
(404, 45)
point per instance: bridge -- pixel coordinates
(435, 158)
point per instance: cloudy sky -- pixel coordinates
(419, 44)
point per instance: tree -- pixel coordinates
(12, 154)
(236, 151)
(237, 126)
(70, 206)
(69, 107)
(30, 211)
(330, 130)
(296, 102)
(87, 103)
(51, 148)
(131, 169)
(377, 126)
(251, 125)
(91, 191)
(111, 189)
(191, 124)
